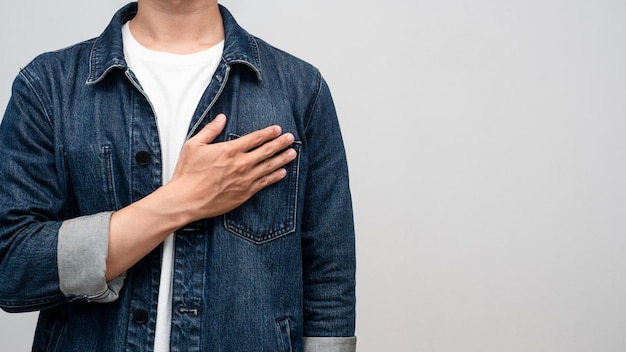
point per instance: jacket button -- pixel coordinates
(140, 316)
(143, 158)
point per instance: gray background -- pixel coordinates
(486, 146)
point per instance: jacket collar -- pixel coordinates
(107, 52)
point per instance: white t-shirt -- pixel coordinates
(174, 85)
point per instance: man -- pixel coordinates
(176, 185)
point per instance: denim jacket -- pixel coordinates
(79, 140)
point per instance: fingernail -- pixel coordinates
(220, 117)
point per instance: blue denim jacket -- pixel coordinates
(79, 140)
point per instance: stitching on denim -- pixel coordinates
(257, 55)
(25, 74)
(249, 234)
(215, 98)
(313, 105)
(283, 324)
(93, 56)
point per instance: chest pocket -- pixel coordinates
(271, 213)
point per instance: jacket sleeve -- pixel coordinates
(328, 233)
(45, 259)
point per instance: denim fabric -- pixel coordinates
(79, 140)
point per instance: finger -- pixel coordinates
(213, 129)
(267, 180)
(274, 163)
(257, 138)
(270, 148)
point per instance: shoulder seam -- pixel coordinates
(313, 104)
(27, 79)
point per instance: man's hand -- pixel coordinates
(209, 180)
(212, 179)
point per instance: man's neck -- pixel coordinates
(177, 26)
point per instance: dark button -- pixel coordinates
(143, 158)
(140, 316)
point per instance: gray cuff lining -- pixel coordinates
(81, 255)
(330, 344)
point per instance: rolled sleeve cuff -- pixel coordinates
(81, 255)
(330, 344)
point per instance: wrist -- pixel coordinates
(167, 208)
(140, 227)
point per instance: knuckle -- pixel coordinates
(259, 138)
(239, 169)
(268, 180)
(210, 128)
(263, 182)
(254, 140)
(229, 150)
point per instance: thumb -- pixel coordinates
(213, 129)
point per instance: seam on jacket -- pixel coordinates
(25, 75)
(313, 105)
